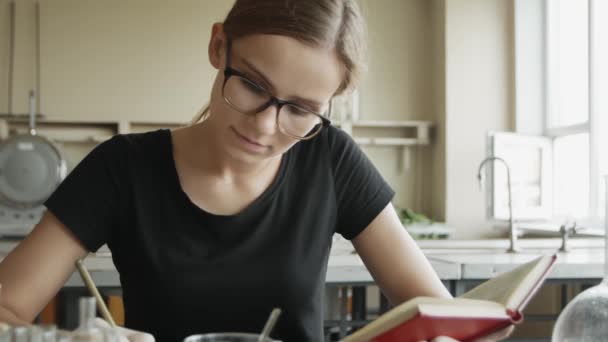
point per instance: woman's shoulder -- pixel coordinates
(334, 142)
(128, 150)
(338, 138)
(331, 138)
(144, 139)
(330, 145)
(145, 142)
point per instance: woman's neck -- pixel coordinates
(200, 149)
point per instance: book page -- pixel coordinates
(513, 288)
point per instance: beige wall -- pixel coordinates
(145, 60)
(447, 61)
(398, 87)
(452, 64)
(479, 97)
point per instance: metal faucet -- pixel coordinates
(513, 248)
(574, 230)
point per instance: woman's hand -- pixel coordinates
(126, 335)
(497, 336)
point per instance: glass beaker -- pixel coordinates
(585, 318)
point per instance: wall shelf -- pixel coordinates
(386, 141)
(403, 135)
(388, 133)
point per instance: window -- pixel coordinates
(576, 116)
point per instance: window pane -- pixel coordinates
(571, 170)
(569, 62)
(600, 73)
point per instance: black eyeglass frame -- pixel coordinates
(273, 100)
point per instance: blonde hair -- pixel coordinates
(334, 24)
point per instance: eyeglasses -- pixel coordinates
(248, 97)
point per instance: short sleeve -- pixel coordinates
(361, 192)
(91, 198)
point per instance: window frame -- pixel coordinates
(590, 126)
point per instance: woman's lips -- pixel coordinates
(250, 144)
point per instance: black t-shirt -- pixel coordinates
(184, 270)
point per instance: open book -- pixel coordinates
(491, 306)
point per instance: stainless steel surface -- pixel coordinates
(564, 233)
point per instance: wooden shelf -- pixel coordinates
(407, 123)
(386, 141)
(68, 130)
(405, 133)
(96, 139)
(388, 133)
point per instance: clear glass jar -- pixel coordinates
(63, 336)
(5, 333)
(20, 334)
(49, 333)
(87, 331)
(34, 333)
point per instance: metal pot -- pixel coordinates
(226, 337)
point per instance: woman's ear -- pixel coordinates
(216, 45)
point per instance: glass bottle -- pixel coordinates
(111, 335)
(20, 334)
(49, 333)
(5, 329)
(5, 333)
(34, 333)
(87, 331)
(63, 336)
(585, 318)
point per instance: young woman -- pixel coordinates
(214, 224)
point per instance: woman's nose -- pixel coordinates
(266, 120)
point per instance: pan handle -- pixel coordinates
(11, 56)
(32, 112)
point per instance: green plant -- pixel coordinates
(408, 216)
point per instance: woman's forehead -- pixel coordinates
(293, 67)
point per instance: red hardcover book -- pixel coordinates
(489, 307)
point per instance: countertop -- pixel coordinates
(451, 259)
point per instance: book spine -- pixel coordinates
(516, 316)
(424, 328)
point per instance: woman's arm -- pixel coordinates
(399, 267)
(36, 270)
(395, 261)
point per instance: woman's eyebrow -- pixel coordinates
(261, 75)
(308, 102)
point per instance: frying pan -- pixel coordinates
(31, 166)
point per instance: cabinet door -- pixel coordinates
(135, 60)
